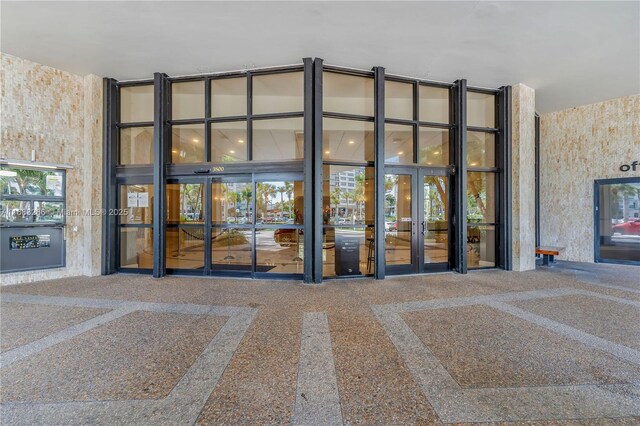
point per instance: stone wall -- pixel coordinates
(59, 115)
(577, 146)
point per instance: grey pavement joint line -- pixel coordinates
(591, 278)
(317, 397)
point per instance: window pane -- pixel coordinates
(136, 145)
(481, 246)
(279, 251)
(15, 181)
(229, 142)
(136, 248)
(434, 146)
(398, 144)
(138, 201)
(278, 93)
(187, 143)
(187, 100)
(228, 97)
(136, 104)
(481, 110)
(281, 139)
(185, 247)
(16, 211)
(347, 94)
(619, 217)
(280, 202)
(231, 202)
(481, 196)
(185, 203)
(348, 195)
(347, 251)
(398, 219)
(347, 140)
(398, 100)
(434, 104)
(481, 149)
(231, 249)
(48, 211)
(436, 210)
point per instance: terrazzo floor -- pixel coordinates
(559, 345)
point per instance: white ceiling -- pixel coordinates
(572, 53)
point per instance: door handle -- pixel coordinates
(424, 227)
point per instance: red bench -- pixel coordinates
(548, 253)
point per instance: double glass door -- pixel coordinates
(241, 225)
(417, 219)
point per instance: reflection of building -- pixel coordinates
(342, 185)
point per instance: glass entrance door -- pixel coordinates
(434, 220)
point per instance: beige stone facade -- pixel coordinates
(59, 115)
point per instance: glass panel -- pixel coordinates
(136, 145)
(347, 140)
(347, 251)
(48, 211)
(619, 212)
(136, 104)
(14, 181)
(185, 247)
(434, 104)
(398, 100)
(481, 246)
(481, 197)
(231, 202)
(185, 203)
(136, 248)
(398, 220)
(481, 149)
(16, 211)
(348, 195)
(187, 100)
(229, 142)
(280, 202)
(481, 110)
(436, 217)
(187, 143)
(278, 93)
(281, 139)
(433, 146)
(279, 251)
(231, 249)
(398, 144)
(228, 97)
(349, 94)
(137, 200)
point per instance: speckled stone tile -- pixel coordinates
(139, 356)
(24, 323)
(482, 347)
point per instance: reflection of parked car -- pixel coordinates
(632, 227)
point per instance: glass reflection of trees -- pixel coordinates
(277, 202)
(30, 182)
(347, 204)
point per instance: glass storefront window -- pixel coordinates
(481, 197)
(228, 97)
(229, 142)
(136, 145)
(347, 94)
(347, 251)
(48, 211)
(14, 211)
(274, 93)
(398, 100)
(481, 149)
(187, 143)
(619, 221)
(434, 104)
(279, 250)
(398, 144)
(137, 200)
(280, 202)
(348, 195)
(347, 140)
(398, 211)
(136, 248)
(278, 140)
(185, 247)
(231, 202)
(433, 146)
(185, 203)
(136, 104)
(481, 246)
(481, 110)
(231, 249)
(15, 181)
(187, 100)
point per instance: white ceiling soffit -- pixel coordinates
(572, 53)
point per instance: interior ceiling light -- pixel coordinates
(351, 142)
(327, 152)
(436, 152)
(174, 151)
(401, 153)
(240, 141)
(231, 151)
(196, 140)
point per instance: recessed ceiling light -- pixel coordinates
(436, 152)
(174, 151)
(429, 162)
(351, 142)
(196, 140)
(327, 152)
(231, 151)
(473, 164)
(401, 153)
(240, 141)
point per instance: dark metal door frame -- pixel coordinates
(422, 173)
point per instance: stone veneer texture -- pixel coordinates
(58, 114)
(578, 146)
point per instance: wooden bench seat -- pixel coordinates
(548, 253)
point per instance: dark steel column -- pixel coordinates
(460, 177)
(504, 166)
(379, 258)
(109, 161)
(161, 132)
(317, 171)
(308, 171)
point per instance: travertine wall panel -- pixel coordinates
(578, 146)
(44, 109)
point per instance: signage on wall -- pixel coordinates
(138, 199)
(627, 167)
(22, 242)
